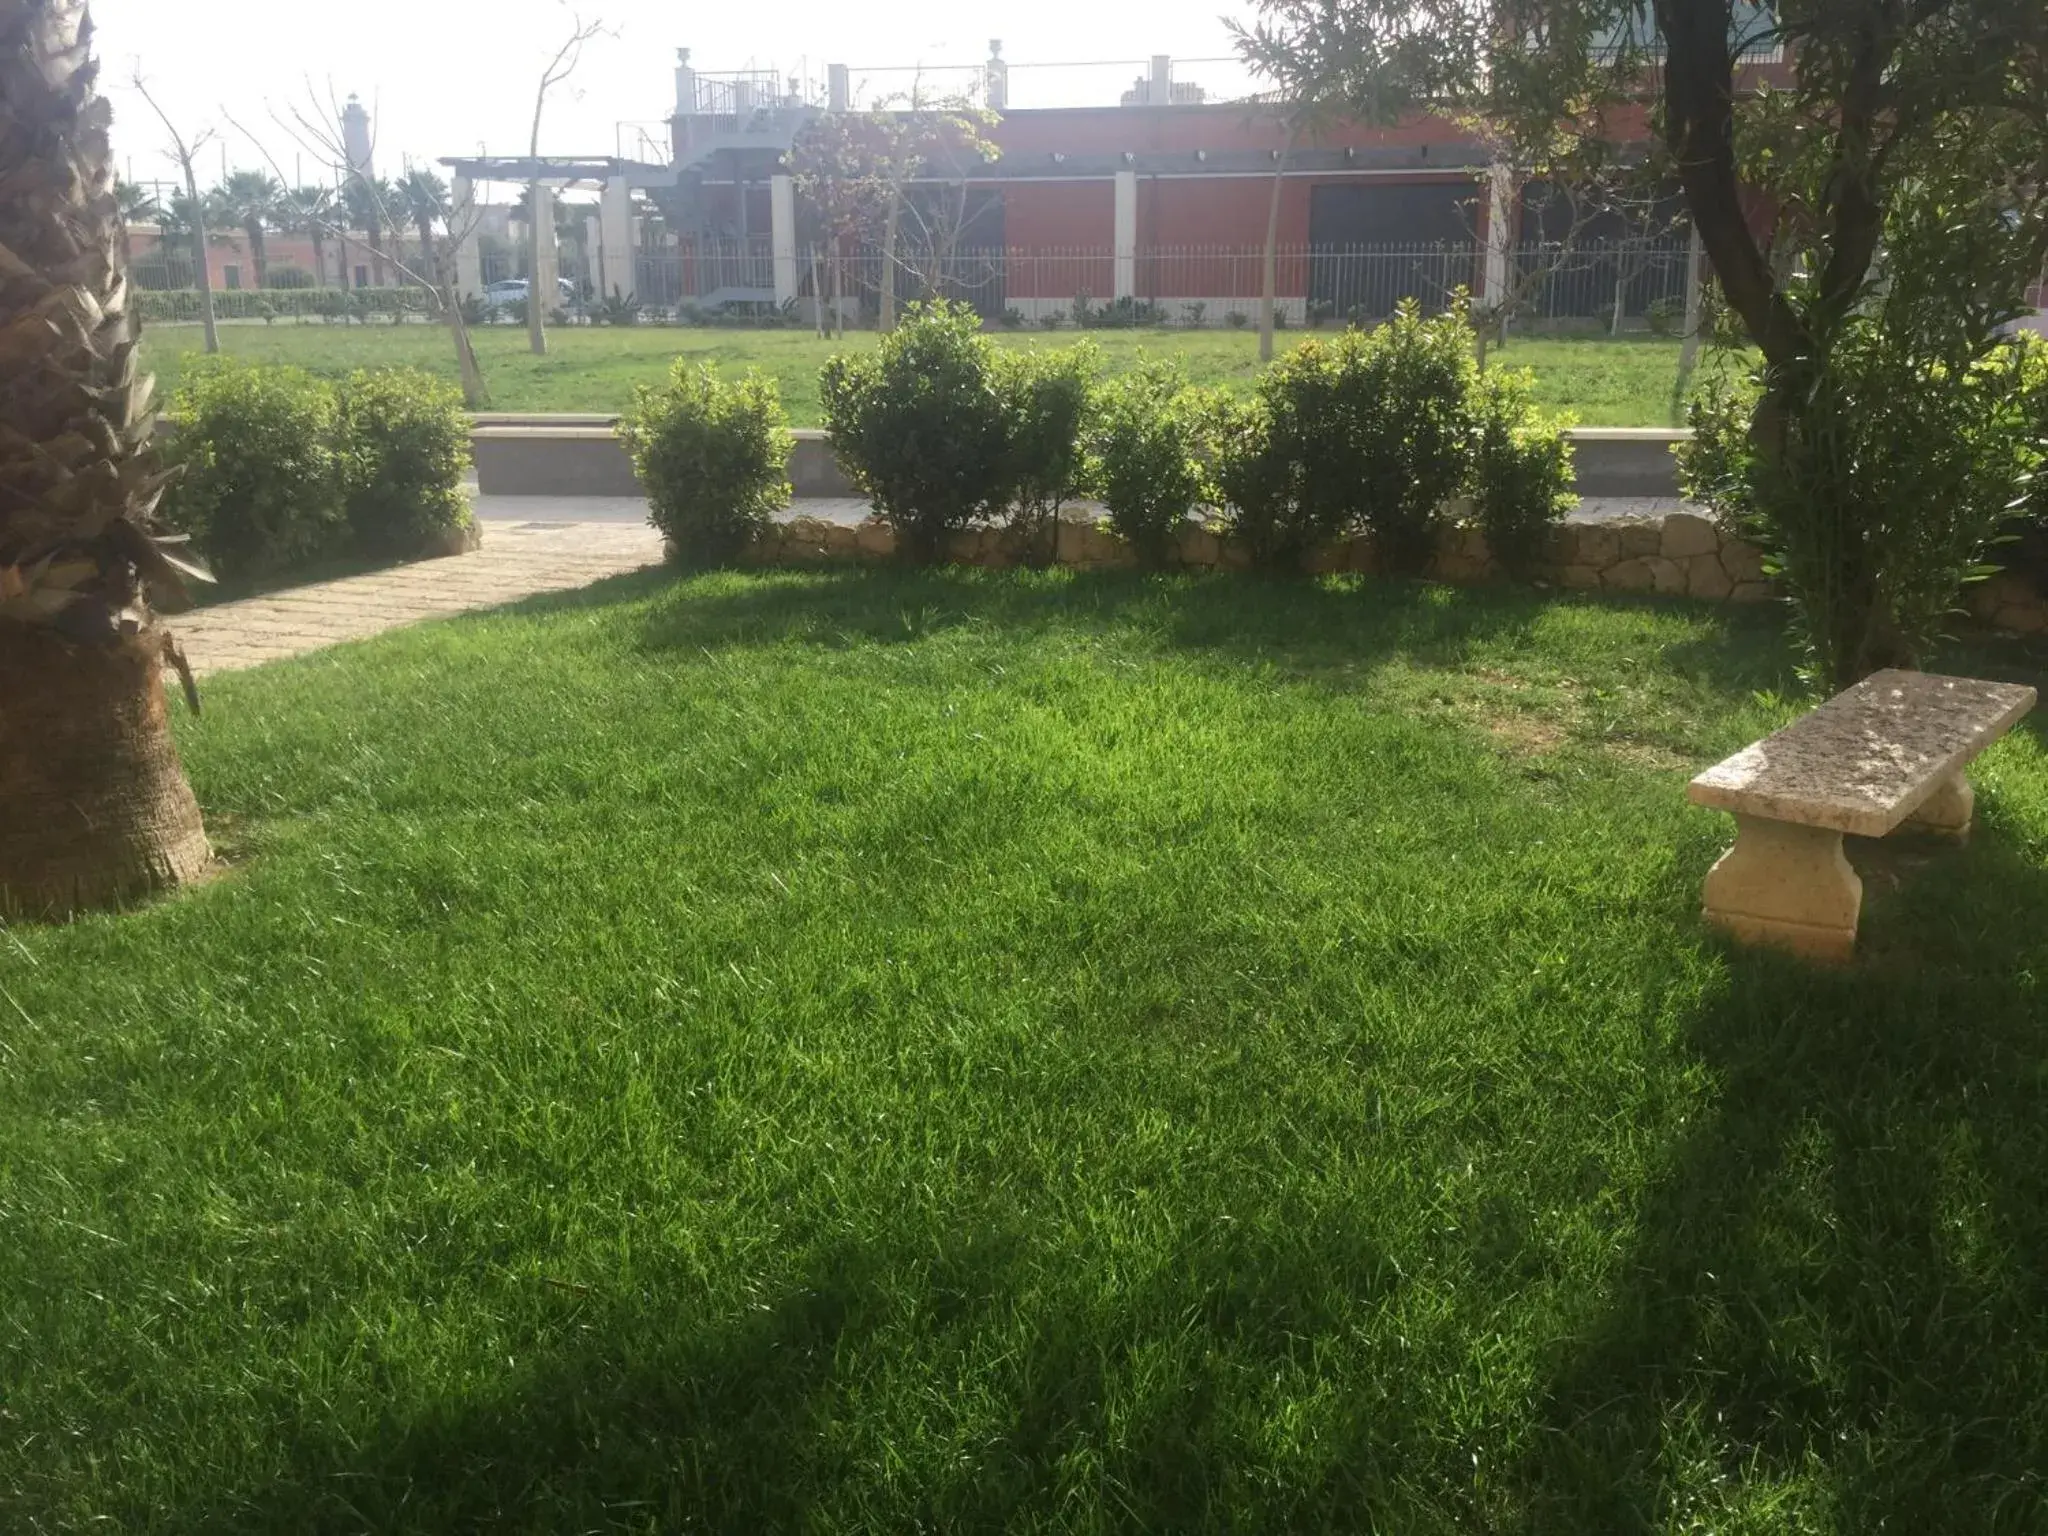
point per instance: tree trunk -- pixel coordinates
(475, 395)
(817, 294)
(259, 255)
(319, 258)
(1271, 277)
(889, 227)
(537, 219)
(94, 808)
(199, 273)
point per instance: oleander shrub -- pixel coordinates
(714, 455)
(1151, 449)
(922, 422)
(403, 450)
(1522, 482)
(1886, 495)
(260, 491)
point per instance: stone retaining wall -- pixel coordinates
(1679, 555)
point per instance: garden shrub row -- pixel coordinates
(1369, 432)
(181, 305)
(282, 470)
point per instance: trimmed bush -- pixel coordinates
(1522, 481)
(922, 423)
(404, 449)
(260, 493)
(1369, 430)
(1050, 395)
(1151, 446)
(714, 456)
(1407, 405)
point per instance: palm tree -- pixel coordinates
(137, 206)
(252, 199)
(94, 807)
(425, 196)
(369, 200)
(311, 211)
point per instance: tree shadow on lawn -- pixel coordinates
(1115, 1412)
(1306, 628)
(1838, 1294)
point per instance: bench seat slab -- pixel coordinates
(1866, 760)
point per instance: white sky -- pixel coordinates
(457, 77)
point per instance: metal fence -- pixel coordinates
(1603, 281)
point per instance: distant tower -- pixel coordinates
(355, 137)
(998, 76)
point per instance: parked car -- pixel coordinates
(512, 290)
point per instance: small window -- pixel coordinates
(362, 277)
(232, 276)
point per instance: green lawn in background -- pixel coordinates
(880, 1052)
(1625, 382)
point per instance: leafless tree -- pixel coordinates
(315, 127)
(186, 150)
(540, 225)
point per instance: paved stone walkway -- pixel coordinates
(518, 559)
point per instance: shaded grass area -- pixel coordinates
(1626, 382)
(1040, 1052)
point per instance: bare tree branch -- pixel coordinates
(185, 153)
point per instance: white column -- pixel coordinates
(541, 289)
(615, 239)
(1126, 236)
(782, 235)
(1499, 221)
(469, 259)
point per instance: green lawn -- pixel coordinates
(878, 1052)
(1605, 383)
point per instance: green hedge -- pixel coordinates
(283, 470)
(1371, 431)
(182, 304)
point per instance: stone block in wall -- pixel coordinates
(1742, 561)
(1198, 549)
(1329, 559)
(1594, 544)
(1091, 545)
(875, 539)
(1751, 592)
(1580, 578)
(1632, 575)
(841, 541)
(1686, 535)
(1704, 577)
(1639, 540)
(1234, 555)
(2010, 603)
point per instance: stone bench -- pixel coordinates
(1889, 752)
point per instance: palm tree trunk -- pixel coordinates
(94, 807)
(259, 254)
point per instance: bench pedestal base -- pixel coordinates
(1948, 811)
(1788, 886)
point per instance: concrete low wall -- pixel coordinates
(578, 456)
